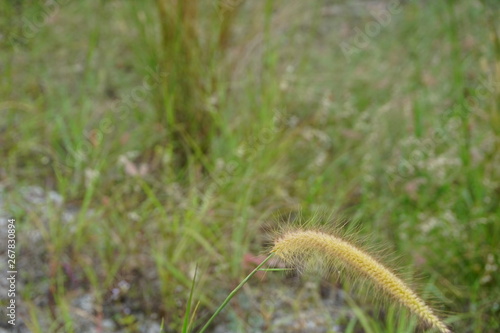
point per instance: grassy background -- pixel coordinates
(176, 133)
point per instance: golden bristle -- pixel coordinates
(293, 247)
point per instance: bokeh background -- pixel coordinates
(143, 140)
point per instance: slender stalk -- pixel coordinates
(235, 290)
(185, 326)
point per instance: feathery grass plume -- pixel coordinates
(296, 247)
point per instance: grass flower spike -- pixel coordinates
(299, 246)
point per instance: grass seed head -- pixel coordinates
(296, 247)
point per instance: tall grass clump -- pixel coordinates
(194, 40)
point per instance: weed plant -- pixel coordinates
(174, 137)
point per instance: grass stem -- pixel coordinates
(235, 290)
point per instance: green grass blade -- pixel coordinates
(185, 326)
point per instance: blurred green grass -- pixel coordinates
(400, 135)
